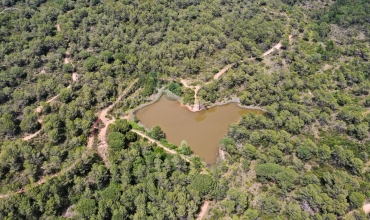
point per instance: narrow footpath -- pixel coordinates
(142, 134)
(102, 135)
(203, 210)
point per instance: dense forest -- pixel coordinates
(72, 71)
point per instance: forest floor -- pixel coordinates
(203, 210)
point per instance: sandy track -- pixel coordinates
(28, 137)
(203, 210)
(102, 135)
(74, 77)
(224, 70)
(366, 208)
(195, 108)
(66, 58)
(277, 47)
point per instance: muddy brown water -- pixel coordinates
(201, 130)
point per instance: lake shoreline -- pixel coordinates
(174, 97)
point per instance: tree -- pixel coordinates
(30, 123)
(91, 63)
(7, 125)
(203, 183)
(116, 140)
(120, 125)
(86, 207)
(107, 56)
(267, 171)
(157, 133)
(65, 95)
(270, 205)
(356, 199)
(67, 67)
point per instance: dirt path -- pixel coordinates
(66, 58)
(366, 208)
(221, 153)
(142, 134)
(102, 135)
(74, 77)
(58, 27)
(224, 70)
(277, 47)
(90, 141)
(195, 108)
(8, 9)
(28, 137)
(203, 210)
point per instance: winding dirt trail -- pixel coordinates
(195, 108)
(276, 47)
(102, 135)
(28, 137)
(159, 144)
(8, 9)
(203, 210)
(224, 70)
(39, 108)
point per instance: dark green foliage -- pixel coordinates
(131, 136)
(356, 199)
(7, 125)
(270, 205)
(30, 123)
(91, 63)
(86, 208)
(175, 88)
(116, 140)
(120, 125)
(268, 170)
(150, 84)
(203, 183)
(68, 68)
